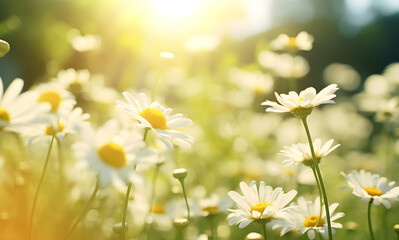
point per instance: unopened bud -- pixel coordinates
(180, 174)
(180, 223)
(396, 228)
(117, 228)
(4, 47)
(254, 236)
(351, 226)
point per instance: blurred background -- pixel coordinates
(361, 33)
(219, 76)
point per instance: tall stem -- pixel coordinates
(145, 134)
(320, 194)
(179, 234)
(263, 225)
(316, 165)
(129, 187)
(84, 212)
(185, 199)
(152, 199)
(39, 187)
(369, 219)
(212, 222)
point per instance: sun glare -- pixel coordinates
(175, 9)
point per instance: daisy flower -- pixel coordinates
(303, 104)
(303, 41)
(213, 205)
(157, 118)
(284, 65)
(110, 151)
(305, 218)
(370, 186)
(47, 125)
(159, 216)
(300, 152)
(260, 206)
(72, 79)
(61, 100)
(17, 109)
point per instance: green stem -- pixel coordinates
(316, 165)
(61, 161)
(129, 187)
(263, 225)
(154, 179)
(39, 187)
(179, 234)
(320, 194)
(145, 134)
(369, 219)
(211, 218)
(84, 212)
(185, 198)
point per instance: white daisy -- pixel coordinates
(303, 41)
(284, 65)
(110, 151)
(17, 110)
(213, 205)
(300, 152)
(159, 216)
(302, 105)
(72, 79)
(45, 127)
(156, 117)
(388, 110)
(371, 186)
(260, 206)
(305, 218)
(61, 100)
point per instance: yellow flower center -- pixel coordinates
(50, 130)
(4, 115)
(313, 221)
(372, 191)
(211, 209)
(158, 209)
(292, 42)
(154, 117)
(112, 154)
(260, 207)
(52, 97)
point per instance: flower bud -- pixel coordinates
(4, 48)
(180, 174)
(396, 228)
(351, 226)
(117, 228)
(254, 236)
(180, 223)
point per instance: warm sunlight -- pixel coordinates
(176, 9)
